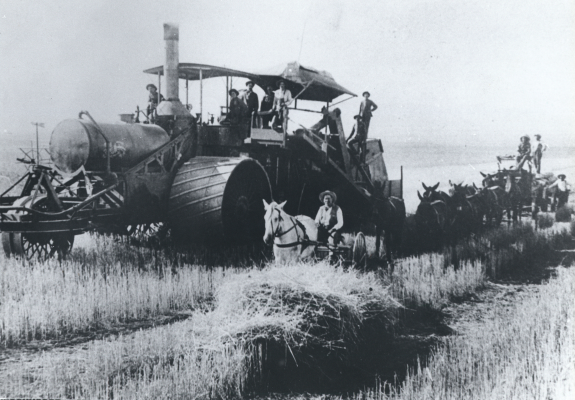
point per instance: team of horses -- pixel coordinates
(445, 217)
(441, 218)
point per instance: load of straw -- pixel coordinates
(304, 317)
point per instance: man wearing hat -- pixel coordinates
(538, 148)
(524, 151)
(329, 219)
(366, 108)
(154, 97)
(360, 137)
(562, 193)
(267, 105)
(237, 111)
(252, 101)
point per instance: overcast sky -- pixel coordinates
(446, 71)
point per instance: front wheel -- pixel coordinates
(40, 246)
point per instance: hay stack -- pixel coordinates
(303, 317)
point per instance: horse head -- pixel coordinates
(431, 193)
(273, 220)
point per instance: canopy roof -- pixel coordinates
(322, 86)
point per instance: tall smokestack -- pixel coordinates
(172, 107)
(172, 37)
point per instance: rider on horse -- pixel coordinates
(329, 219)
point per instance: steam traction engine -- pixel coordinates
(205, 182)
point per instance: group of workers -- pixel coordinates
(528, 152)
(273, 109)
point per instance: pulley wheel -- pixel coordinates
(219, 199)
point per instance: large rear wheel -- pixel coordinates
(219, 199)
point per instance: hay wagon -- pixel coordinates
(533, 195)
(201, 179)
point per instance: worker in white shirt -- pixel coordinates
(562, 193)
(329, 219)
(282, 99)
(538, 148)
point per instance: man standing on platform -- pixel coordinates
(538, 148)
(252, 102)
(366, 108)
(360, 132)
(266, 107)
(153, 98)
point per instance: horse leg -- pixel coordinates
(377, 240)
(389, 250)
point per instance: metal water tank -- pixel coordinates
(76, 143)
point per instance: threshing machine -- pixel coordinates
(203, 181)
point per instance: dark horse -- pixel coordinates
(432, 220)
(389, 217)
(522, 188)
(431, 193)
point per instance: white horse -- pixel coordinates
(294, 238)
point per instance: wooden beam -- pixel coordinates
(343, 144)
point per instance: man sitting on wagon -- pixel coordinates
(329, 219)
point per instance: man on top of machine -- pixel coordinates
(360, 138)
(153, 98)
(266, 109)
(251, 99)
(366, 109)
(329, 219)
(237, 111)
(282, 99)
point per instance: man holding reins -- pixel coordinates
(329, 219)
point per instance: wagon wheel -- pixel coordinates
(8, 238)
(359, 252)
(40, 246)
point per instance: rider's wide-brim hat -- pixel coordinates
(366, 92)
(328, 193)
(234, 91)
(149, 85)
(248, 82)
(561, 175)
(525, 137)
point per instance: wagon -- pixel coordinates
(354, 255)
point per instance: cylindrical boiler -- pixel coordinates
(76, 143)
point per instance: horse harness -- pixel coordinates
(305, 241)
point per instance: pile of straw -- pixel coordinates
(304, 315)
